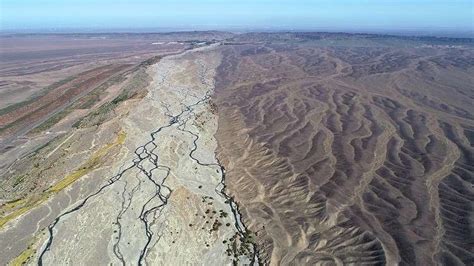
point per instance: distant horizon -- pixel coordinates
(419, 17)
(235, 30)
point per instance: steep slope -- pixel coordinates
(350, 153)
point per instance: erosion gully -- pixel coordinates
(150, 212)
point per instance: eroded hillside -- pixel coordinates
(217, 149)
(355, 151)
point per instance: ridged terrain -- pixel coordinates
(209, 148)
(356, 152)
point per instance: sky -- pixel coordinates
(336, 15)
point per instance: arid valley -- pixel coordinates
(218, 148)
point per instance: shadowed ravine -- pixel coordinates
(350, 155)
(288, 148)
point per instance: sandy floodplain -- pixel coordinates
(159, 200)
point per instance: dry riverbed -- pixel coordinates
(155, 192)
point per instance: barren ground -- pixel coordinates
(350, 150)
(212, 148)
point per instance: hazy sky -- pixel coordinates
(244, 14)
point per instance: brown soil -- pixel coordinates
(358, 152)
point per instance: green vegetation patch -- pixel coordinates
(86, 102)
(43, 92)
(240, 245)
(89, 100)
(135, 86)
(53, 120)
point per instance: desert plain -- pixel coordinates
(214, 148)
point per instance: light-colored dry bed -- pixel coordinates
(150, 191)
